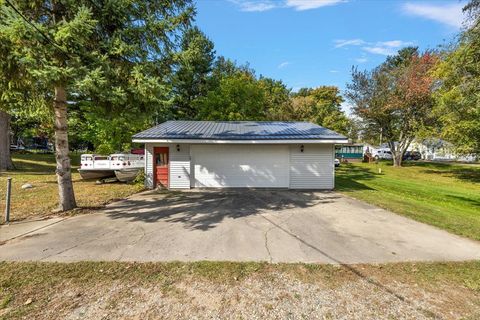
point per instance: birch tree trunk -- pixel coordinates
(5, 157)
(64, 174)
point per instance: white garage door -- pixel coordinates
(263, 166)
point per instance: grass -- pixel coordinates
(32, 289)
(444, 195)
(42, 199)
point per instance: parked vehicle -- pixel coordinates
(384, 154)
(337, 163)
(412, 155)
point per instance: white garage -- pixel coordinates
(239, 154)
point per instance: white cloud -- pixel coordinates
(381, 47)
(380, 50)
(394, 43)
(255, 6)
(387, 48)
(333, 71)
(361, 60)
(351, 42)
(301, 5)
(449, 14)
(283, 64)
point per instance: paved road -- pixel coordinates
(237, 225)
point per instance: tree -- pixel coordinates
(277, 98)
(396, 98)
(237, 97)
(458, 102)
(236, 93)
(5, 158)
(104, 54)
(321, 105)
(194, 64)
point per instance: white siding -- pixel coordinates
(179, 166)
(313, 168)
(148, 165)
(219, 166)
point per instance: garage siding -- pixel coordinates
(179, 166)
(148, 166)
(313, 168)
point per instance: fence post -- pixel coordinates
(7, 202)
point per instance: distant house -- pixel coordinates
(239, 154)
(438, 150)
(351, 152)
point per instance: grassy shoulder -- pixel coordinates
(444, 195)
(181, 290)
(42, 199)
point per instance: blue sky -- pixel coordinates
(307, 43)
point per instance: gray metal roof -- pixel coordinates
(238, 130)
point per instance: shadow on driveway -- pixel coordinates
(205, 209)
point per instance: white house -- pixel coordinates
(239, 154)
(439, 150)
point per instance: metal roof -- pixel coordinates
(238, 130)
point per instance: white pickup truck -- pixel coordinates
(384, 154)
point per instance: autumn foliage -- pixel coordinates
(395, 100)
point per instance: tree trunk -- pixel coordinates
(397, 158)
(399, 150)
(64, 175)
(5, 157)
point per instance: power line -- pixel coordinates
(37, 29)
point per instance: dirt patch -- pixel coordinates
(209, 290)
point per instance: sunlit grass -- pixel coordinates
(444, 195)
(42, 199)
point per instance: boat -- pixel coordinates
(124, 166)
(94, 166)
(127, 166)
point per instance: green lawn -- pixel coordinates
(39, 170)
(444, 195)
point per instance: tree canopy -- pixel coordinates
(458, 102)
(395, 99)
(108, 58)
(321, 105)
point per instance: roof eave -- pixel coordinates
(249, 141)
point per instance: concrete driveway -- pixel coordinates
(237, 225)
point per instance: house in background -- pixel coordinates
(239, 154)
(435, 149)
(350, 152)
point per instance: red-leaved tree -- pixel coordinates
(396, 98)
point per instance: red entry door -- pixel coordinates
(161, 166)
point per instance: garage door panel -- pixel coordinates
(240, 166)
